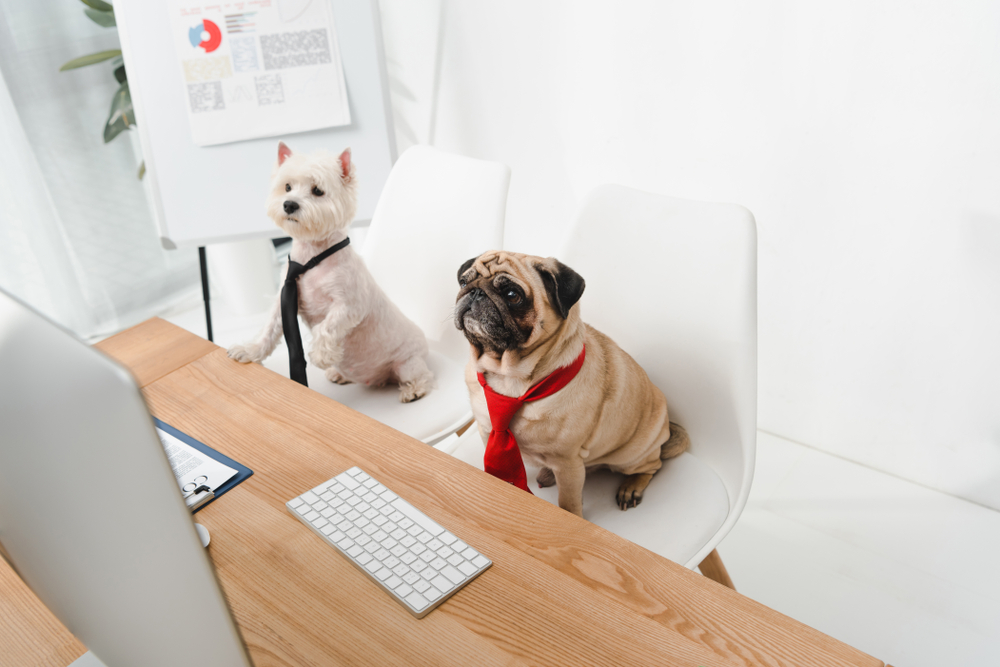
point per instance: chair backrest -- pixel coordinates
(674, 283)
(436, 211)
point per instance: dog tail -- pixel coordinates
(677, 444)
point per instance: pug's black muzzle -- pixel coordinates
(482, 322)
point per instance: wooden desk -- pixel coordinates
(561, 590)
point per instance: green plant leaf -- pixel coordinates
(103, 19)
(142, 169)
(120, 74)
(121, 117)
(99, 5)
(83, 61)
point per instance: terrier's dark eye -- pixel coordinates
(288, 187)
(317, 192)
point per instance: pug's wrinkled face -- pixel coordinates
(510, 301)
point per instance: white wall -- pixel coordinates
(864, 136)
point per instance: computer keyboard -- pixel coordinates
(417, 561)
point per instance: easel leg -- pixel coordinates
(713, 568)
(204, 290)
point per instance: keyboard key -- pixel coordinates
(371, 514)
(429, 573)
(444, 552)
(372, 546)
(329, 529)
(389, 543)
(381, 554)
(352, 515)
(407, 541)
(383, 574)
(370, 497)
(448, 539)
(442, 584)
(411, 577)
(353, 500)
(327, 496)
(378, 519)
(433, 594)
(378, 504)
(417, 601)
(353, 532)
(420, 585)
(407, 557)
(470, 553)
(415, 548)
(312, 516)
(479, 561)
(347, 481)
(435, 545)
(424, 537)
(355, 551)
(320, 522)
(398, 550)
(295, 502)
(397, 516)
(388, 496)
(371, 528)
(467, 568)
(453, 575)
(304, 508)
(362, 522)
(417, 516)
(404, 523)
(438, 563)
(456, 559)
(363, 507)
(398, 534)
(370, 482)
(393, 582)
(362, 540)
(418, 565)
(327, 512)
(336, 488)
(373, 566)
(403, 591)
(401, 570)
(379, 536)
(309, 497)
(345, 543)
(364, 558)
(391, 562)
(428, 556)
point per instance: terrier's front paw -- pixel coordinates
(411, 391)
(334, 376)
(246, 353)
(324, 355)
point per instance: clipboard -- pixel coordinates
(204, 494)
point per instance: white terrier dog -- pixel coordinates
(359, 335)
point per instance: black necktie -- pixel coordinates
(290, 311)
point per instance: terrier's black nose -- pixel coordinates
(291, 207)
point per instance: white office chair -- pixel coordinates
(436, 211)
(673, 282)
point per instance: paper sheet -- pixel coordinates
(191, 467)
(258, 68)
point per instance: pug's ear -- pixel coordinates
(563, 285)
(465, 267)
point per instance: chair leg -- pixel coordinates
(713, 568)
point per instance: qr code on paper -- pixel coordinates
(295, 49)
(269, 90)
(206, 96)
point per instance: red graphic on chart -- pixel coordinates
(206, 35)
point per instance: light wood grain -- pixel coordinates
(30, 636)
(713, 568)
(154, 349)
(561, 591)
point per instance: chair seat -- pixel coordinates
(443, 410)
(682, 508)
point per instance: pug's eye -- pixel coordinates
(317, 192)
(512, 297)
(288, 187)
(462, 282)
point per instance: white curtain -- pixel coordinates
(77, 237)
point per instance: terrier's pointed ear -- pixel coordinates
(283, 152)
(563, 286)
(345, 164)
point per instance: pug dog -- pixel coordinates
(521, 316)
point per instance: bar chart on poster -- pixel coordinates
(215, 85)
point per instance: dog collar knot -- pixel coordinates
(503, 458)
(290, 311)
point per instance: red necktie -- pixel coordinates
(503, 458)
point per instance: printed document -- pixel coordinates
(258, 68)
(192, 468)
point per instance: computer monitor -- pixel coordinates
(91, 516)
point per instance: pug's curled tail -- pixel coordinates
(677, 444)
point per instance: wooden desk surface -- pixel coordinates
(561, 590)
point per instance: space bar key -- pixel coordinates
(417, 516)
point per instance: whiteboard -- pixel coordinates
(215, 194)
